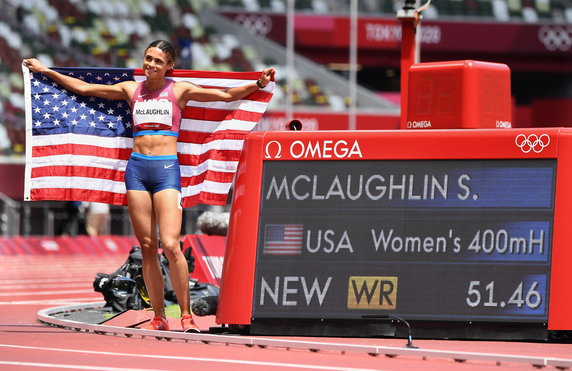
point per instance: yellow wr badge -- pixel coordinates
(372, 292)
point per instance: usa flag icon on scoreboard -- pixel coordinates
(283, 239)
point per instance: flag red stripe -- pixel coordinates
(75, 194)
(81, 150)
(218, 155)
(258, 95)
(78, 171)
(213, 176)
(209, 114)
(199, 137)
(205, 198)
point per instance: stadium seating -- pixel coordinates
(106, 32)
(113, 33)
(518, 10)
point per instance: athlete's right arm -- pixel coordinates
(122, 90)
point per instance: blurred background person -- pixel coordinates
(97, 219)
(73, 223)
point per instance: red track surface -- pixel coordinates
(29, 283)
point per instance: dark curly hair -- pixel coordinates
(165, 47)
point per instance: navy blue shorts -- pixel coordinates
(152, 173)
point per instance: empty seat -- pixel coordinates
(500, 10)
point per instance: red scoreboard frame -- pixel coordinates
(237, 300)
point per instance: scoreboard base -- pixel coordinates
(393, 328)
(318, 327)
(480, 330)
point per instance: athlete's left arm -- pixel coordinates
(187, 91)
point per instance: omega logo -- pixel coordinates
(315, 149)
(503, 124)
(275, 148)
(418, 124)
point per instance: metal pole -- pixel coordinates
(353, 65)
(49, 222)
(410, 18)
(9, 216)
(290, 60)
(26, 221)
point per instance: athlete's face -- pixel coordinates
(156, 63)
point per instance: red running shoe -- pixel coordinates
(158, 323)
(188, 323)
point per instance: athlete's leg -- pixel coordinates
(144, 226)
(169, 216)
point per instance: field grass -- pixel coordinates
(171, 311)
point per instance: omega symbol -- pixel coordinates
(532, 142)
(269, 149)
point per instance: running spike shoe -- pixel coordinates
(188, 323)
(158, 323)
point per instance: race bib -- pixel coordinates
(153, 114)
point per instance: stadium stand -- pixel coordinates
(500, 10)
(559, 11)
(113, 33)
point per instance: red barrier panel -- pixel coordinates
(240, 256)
(208, 251)
(209, 256)
(78, 245)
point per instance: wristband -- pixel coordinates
(260, 86)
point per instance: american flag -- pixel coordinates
(77, 147)
(283, 239)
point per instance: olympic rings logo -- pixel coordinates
(256, 24)
(555, 37)
(532, 142)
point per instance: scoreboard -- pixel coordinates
(464, 225)
(463, 239)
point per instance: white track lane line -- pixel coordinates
(57, 302)
(72, 367)
(24, 281)
(43, 285)
(196, 359)
(38, 293)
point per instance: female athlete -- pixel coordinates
(152, 176)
